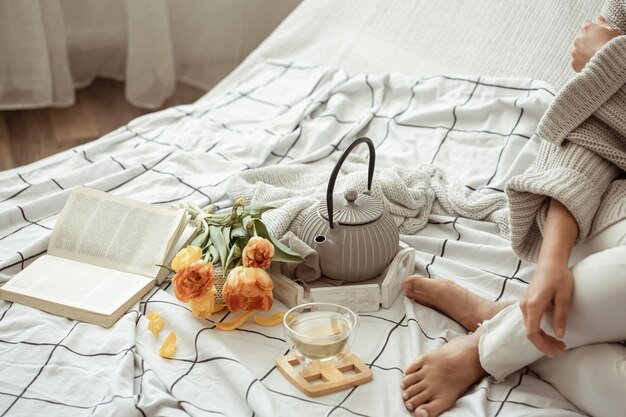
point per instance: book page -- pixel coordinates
(187, 234)
(77, 285)
(115, 232)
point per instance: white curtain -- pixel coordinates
(50, 47)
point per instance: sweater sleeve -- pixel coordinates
(614, 11)
(571, 174)
(601, 78)
(613, 113)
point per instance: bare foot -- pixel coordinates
(435, 380)
(451, 299)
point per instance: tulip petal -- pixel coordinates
(186, 256)
(169, 346)
(156, 322)
(235, 323)
(155, 325)
(218, 308)
(203, 306)
(270, 320)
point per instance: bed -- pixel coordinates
(458, 85)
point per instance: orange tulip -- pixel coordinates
(203, 306)
(258, 253)
(193, 281)
(186, 256)
(248, 289)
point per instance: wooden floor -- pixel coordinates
(29, 135)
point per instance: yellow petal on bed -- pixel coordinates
(218, 308)
(155, 325)
(156, 322)
(169, 346)
(271, 320)
(235, 323)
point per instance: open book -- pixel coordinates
(103, 256)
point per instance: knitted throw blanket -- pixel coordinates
(409, 195)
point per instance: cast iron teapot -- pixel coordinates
(355, 237)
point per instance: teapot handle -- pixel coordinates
(333, 176)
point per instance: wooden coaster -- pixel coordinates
(314, 381)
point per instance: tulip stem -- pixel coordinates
(167, 267)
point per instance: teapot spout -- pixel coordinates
(324, 248)
(320, 240)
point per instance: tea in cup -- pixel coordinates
(320, 332)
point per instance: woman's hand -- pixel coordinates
(552, 286)
(592, 37)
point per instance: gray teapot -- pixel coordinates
(355, 237)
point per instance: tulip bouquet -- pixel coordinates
(225, 264)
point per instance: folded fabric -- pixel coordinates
(308, 271)
(409, 195)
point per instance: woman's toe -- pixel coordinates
(416, 288)
(432, 408)
(407, 283)
(414, 390)
(416, 401)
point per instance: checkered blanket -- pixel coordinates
(478, 129)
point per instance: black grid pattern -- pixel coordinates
(284, 113)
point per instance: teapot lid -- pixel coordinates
(353, 208)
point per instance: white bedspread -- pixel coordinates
(478, 129)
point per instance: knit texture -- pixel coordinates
(615, 13)
(569, 173)
(409, 195)
(583, 152)
(601, 78)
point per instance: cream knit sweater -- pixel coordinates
(582, 159)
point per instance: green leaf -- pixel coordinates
(282, 253)
(233, 214)
(226, 234)
(217, 238)
(233, 255)
(256, 210)
(211, 208)
(215, 256)
(201, 239)
(198, 241)
(238, 231)
(292, 258)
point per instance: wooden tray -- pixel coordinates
(360, 297)
(313, 381)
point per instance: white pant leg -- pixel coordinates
(592, 377)
(609, 238)
(597, 314)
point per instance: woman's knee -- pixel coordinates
(607, 263)
(610, 237)
(592, 377)
(597, 310)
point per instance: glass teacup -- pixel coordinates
(320, 332)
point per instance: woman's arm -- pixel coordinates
(552, 283)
